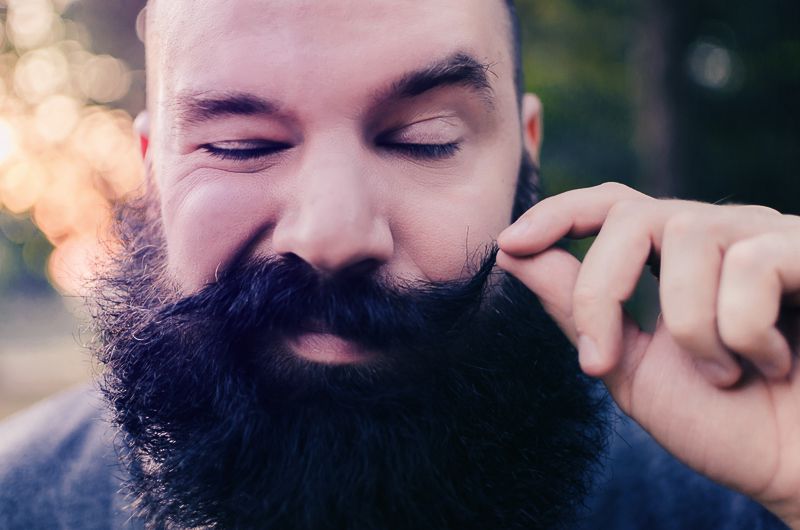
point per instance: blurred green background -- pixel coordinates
(695, 100)
(690, 99)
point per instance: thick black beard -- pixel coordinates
(474, 415)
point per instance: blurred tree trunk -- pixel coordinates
(655, 108)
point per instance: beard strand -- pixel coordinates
(474, 415)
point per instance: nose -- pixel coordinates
(334, 220)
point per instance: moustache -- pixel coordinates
(286, 297)
(232, 334)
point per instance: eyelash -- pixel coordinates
(242, 155)
(425, 151)
(420, 151)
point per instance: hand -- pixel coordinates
(715, 384)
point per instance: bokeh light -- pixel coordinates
(65, 154)
(41, 73)
(105, 79)
(31, 23)
(56, 117)
(22, 185)
(711, 64)
(8, 140)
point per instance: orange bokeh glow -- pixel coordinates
(65, 156)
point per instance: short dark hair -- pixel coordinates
(516, 46)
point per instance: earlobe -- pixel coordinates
(532, 125)
(142, 127)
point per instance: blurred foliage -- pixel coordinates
(740, 137)
(575, 61)
(691, 99)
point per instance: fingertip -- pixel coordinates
(515, 232)
(505, 261)
(520, 246)
(527, 236)
(593, 362)
(776, 370)
(769, 352)
(514, 263)
(719, 375)
(778, 365)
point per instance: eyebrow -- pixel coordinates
(192, 108)
(459, 69)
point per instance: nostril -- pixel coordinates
(364, 267)
(333, 247)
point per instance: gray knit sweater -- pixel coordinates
(59, 470)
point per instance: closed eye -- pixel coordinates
(425, 151)
(244, 150)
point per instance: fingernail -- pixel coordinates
(713, 371)
(588, 353)
(517, 230)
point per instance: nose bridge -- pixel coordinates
(333, 221)
(334, 191)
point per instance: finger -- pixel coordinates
(551, 275)
(755, 274)
(581, 213)
(691, 260)
(577, 213)
(607, 279)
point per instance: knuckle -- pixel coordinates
(746, 256)
(756, 209)
(614, 188)
(586, 296)
(707, 221)
(740, 338)
(770, 243)
(626, 209)
(688, 327)
(682, 224)
(739, 330)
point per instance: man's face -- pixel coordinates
(353, 134)
(328, 175)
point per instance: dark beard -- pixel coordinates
(474, 415)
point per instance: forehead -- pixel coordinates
(289, 45)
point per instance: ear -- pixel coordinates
(142, 127)
(532, 125)
(141, 24)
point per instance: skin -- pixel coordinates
(337, 198)
(343, 201)
(727, 274)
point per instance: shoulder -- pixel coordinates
(58, 467)
(643, 486)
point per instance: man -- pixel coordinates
(304, 328)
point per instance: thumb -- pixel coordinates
(551, 275)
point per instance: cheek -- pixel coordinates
(440, 233)
(211, 225)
